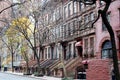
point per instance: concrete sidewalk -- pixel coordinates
(32, 76)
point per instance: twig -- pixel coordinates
(12, 5)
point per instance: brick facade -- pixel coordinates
(70, 25)
(98, 70)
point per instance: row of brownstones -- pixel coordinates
(84, 51)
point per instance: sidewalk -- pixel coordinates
(32, 76)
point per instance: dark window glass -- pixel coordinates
(107, 50)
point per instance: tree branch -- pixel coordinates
(12, 5)
(96, 19)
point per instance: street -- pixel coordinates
(8, 76)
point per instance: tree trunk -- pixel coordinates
(12, 63)
(27, 67)
(38, 61)
(112, 38)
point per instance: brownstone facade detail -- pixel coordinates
(98, 70)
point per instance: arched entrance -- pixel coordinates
(106, 50)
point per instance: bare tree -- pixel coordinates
(11, 5)
(39, 32)
(12, 45)
(25, 55)
(6, 22)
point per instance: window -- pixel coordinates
(92, 42)
(80, 23)
(81, 73)
(58, 53)
(70, 50)
(49, 52)
(103, 25)
(65, 12)
(86, 43)
(106, 50)
(69, 9)
(91, 16)
(73, 26)
(42, 55)
(57, 13)
(52, 52)
(50, 36)
(74, 7)
(86, 5)
(64, 31)
(57, 32)
(60, 11)
(86, 19)
(55, 53)
(76, 27)
(91, 46)
(74, 51)
(108, 16)
(60, 27)
(69, 31)
(86, 47)
(45, 52)
(81, 6)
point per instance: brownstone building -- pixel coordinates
(73, 38)
(84, 51)
(72, 46)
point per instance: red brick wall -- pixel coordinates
(98, 70)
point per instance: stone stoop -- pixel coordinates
(72, 65)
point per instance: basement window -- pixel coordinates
(82, 75)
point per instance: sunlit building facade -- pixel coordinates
(84, 49)
(72, 46)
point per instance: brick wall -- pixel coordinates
(98, 70)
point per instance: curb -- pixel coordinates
(24, 75)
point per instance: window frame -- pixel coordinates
(107, 50)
